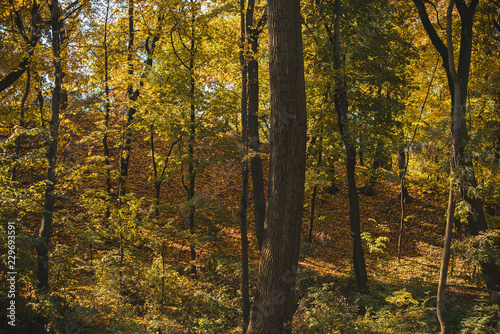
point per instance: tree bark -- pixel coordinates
(274, 302)
(340, 100)
(51, 154)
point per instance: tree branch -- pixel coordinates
(431, 31)
(175, 51)
(449, 41)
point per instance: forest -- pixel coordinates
(280, 166)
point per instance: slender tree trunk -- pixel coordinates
(443, 272)
(245, 293)
(457, 133)
(311, 215)
(157, 181)
(192, 134)
(403, 197)
(40, 100)
(127, 135)
(132, 96)
(259, 197)
(313, 197)
(57, 97)
(105, 145)
(377, 163)
(496, 147)
(190, 188)
(332, 188)
(402, 175)
(158, 177)
(341, 107)
(274, 302)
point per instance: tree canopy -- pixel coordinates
(158, 172)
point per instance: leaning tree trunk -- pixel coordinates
(443, 272)
(57, 101)
(274, 302)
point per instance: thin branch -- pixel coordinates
(311, 32)
(168, 155)
(420, 116)
(431, 31)
(175, 51)
(437, 13)
(182, 42)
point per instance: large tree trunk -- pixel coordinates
(340, 100)
(274, 303)
(57, 98)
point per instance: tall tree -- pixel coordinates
(458, 80)
(132, 95)
(187, 49)
(274, 302)
(341, 106)
(252, 33)
(245, 295)
(58, 97)
(107, 106)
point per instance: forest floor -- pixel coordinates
(324, 262)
